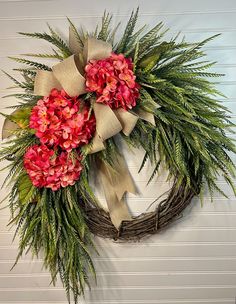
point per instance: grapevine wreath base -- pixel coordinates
(99, 221)
(152, 94)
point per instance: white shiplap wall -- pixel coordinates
(194, 261)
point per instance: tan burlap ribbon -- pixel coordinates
(69, 75)
(9, 127)
(116, 182)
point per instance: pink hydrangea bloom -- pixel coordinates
(113, 80)
(61, 120)
(48, 170)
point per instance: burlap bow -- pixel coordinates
(69, 75)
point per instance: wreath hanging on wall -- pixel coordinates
(153, 93)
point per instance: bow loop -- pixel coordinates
(96, 49)
(127, 120)
(44, 82)
(69, 76)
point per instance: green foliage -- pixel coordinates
(55, 225)
(191, 123)
(127, 32)
(105, 28)
(45, 56)
(48, 221)
(21, 117)
(26, 190)
(36, 65)
(76, 33)
(54, 39)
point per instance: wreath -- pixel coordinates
(153, 94)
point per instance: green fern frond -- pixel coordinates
(105, 27)
(129, 29)
(76, 33)
(28, 72)
(45, 56)
(54, 39)
(34, 64)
